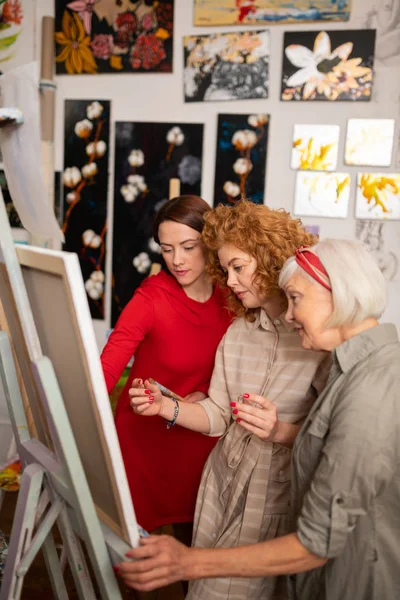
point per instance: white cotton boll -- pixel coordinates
(89, 170)
(253, 120)
(242, 166)
(71, 177)
(98, 276)
(142, 262)
(84, 128)
(71, 197)
(175, 136)
(227, 187)
(138, 182)
(98, 149)
(153, 246)
(244, 139)
(129, 193)
(136, 158)
(94, 110)
(94, 289)
(96, 242)
(87, 237)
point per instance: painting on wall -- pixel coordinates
(100, 36)
(378, 196)
(241, 158)
(226, 66)
(369, 142)
(147, 156)
(266, 12)
(13, 217)
(315, 147)
(85, 185)
(17, 18)
(322, 194)
(382, 239)
(329, 66)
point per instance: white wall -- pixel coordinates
(159, 97)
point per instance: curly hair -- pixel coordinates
(270, 236)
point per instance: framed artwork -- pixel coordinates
(329, 66)
(104, 36)
(382, 239)
(13, 217)
(378, 196)
(147, 156)
(369, 142)
(85, 185)
(226, 66)
(241, 158)
(322, 194)
(265, 12)
(17, 32)
(315, 147)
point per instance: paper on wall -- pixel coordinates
(21, 149)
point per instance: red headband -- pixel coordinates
(309, 261)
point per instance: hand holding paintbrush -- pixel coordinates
(166, 391)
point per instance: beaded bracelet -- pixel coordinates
(176, 413)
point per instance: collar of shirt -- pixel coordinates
(277, 324)
(362, 345)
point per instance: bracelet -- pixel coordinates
(176, 413)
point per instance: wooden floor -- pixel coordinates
(37, 585)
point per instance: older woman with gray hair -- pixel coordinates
(346, 458)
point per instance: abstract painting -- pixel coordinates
(333, 65)
(147, 156)
(17, 18)
(104, 36)
(378, 196)
(382, 239)
(266, 12)
(226, 66)
(241, 158)
(315, 147)
(322, 194)
(85, 185)
(369, 142)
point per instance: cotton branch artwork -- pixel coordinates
(147, 156)
(241, 158)
(85, 182)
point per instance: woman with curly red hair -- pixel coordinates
(263, 386)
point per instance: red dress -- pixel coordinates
(174, 340)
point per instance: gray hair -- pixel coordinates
(359, 290)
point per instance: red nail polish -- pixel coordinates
(238, 420)
(151, 401)
(116, 569)
(233, 403)
(235, 412)
(151, 398)
(246, 395)
(147, 391)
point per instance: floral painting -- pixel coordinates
(369, 142)
(322, 194)
(226, 66)
(147, 156)
(112, 36)
(315, 147)
(265, 12)
(333, 65)
(378, 196)
(85, 184)
(241, 158)
(16, 33)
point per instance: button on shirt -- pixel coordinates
(346, 475)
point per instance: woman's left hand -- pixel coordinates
(262, 421)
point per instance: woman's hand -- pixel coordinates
(164, 562)
(195, 397)
(146, 398)
(262, 421)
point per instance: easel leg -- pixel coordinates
(54, 569)
(24, 521)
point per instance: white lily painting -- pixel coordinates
(334, 65)
(315, 147)
(369, 142)
(322, 194)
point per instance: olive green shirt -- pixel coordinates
(346, 475)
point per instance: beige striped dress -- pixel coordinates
(244, 491)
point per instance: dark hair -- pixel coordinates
(188, 210)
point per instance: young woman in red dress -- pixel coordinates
(172, 326)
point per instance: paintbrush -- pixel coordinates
(166, 391)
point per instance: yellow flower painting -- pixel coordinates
(75, 44)
(378, 196)
(322, 194)
(315, 147)
(329, 66)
